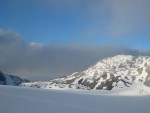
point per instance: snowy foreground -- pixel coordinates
(30, 100)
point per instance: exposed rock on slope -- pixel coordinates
(11, 79)
(108, 74)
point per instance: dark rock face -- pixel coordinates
(80, 81)
(17, 80)
(90, 85)
(126, 83)
(13, 80)
(69, 81)
(108, 84)
(147, 79)
(140, 70)
(2, 79)
(104, 75)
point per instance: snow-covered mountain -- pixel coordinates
(11, 79)
(118, 72)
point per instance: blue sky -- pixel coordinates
(80, 22)
(45, 39)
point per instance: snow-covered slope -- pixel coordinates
(11, 79)
(29, 100)
(115, 73)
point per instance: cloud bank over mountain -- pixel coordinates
(37, 61)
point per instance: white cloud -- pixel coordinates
(36, 45)
(42, 62)
(128, 16)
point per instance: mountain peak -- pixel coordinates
(121, 71)
(11, 79)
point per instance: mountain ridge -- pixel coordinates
(121, 71)
(13, 80)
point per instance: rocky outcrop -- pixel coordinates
(119, 72)
(2, 79)
(11, 79)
